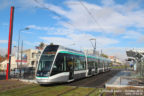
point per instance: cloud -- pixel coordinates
(26, 4)
(6, 42)
(3, 51)
(138, 36)
(38, 27)
(4, 4)
(108, 2)
(3, 41)
(65, 36)
(30, 43)
(28, 32)
(78, 25)
(119, 52)
(80, 40)
(141, 39)
(108, 19)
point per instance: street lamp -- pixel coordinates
(93, 45)
(27, 28)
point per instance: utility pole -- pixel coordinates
(101, 52)
(18, 49)
(21, 58)
(19, 36)
(10, 43)
(93, 45)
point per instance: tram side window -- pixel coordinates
(96, 62)
(76, 63)
(109, 64)
(82, 62)
(89, 62)
(79, 63)
(69, 61)
(60, 64)
(99, 63)
(103, 64)
(93, 62)
(106, 64)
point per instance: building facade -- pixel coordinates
(26, 58)
(3, 65)
(32, 57)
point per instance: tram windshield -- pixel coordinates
(46, 61)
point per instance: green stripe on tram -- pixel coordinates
(71, 53)
(67, 52)
(41, 77)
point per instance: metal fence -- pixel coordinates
(20, 73)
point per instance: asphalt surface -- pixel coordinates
(97, 81)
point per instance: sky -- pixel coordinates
(117, 25)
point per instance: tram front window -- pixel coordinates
(45, 65)
(46, 61)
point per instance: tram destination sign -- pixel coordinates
(51, 53)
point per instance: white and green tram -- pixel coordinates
(60, 64)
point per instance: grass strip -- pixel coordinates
(53, 91)
(81, 91)
(18, 91)
(97, 92)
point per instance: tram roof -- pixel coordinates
(76, 52)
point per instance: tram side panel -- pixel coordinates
(93, 66)
(100, 64)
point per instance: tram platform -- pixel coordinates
(122, 79)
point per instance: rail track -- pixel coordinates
(94, 82)
(97, 81)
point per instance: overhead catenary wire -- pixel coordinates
(90, 14)
(53, 12)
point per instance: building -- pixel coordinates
(3, 65)
(115, 60)
(29, 58)
(32, 57)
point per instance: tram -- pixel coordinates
(59, 64)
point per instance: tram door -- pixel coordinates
(96, 66)
(89, 66)
(71, 72)
(70, 67)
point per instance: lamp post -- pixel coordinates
(19, 43)
(93, 45)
